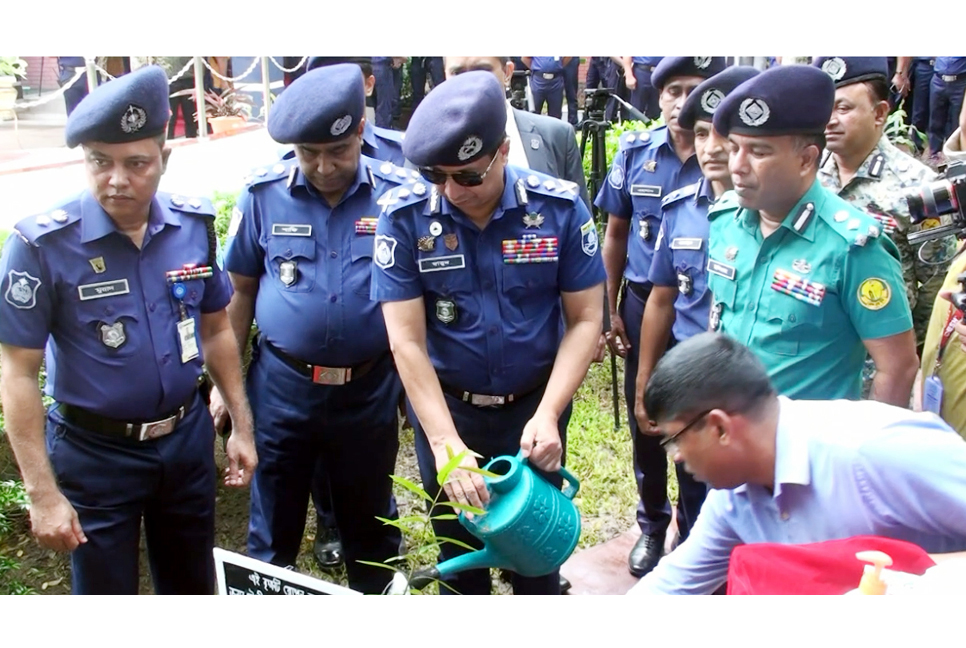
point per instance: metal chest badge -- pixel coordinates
(685, 284)
(650, 166)
(645, 230)
(533, 219)
(445, 311)
(112, 335)
(426, 243)
(451, 241)
(97, 263)
(801, 265)
(714, 321)
(288, 272)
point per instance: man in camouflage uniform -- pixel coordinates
(866, 169)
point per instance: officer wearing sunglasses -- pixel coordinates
(491, 281)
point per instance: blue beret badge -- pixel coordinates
(834, 67)
(710, 100)
(470, 147)
(341, 125)
(754, 112)
(134, 119)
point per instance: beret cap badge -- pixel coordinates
(134, 119)
(754, 112)
(702, 62)
(711, 99)
(341, 125)
(471, 146)
(834, 67)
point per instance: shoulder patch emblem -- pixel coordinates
(21, 290)
(385, 251)
(874, 293)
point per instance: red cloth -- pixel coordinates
(828, 567)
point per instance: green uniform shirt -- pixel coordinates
(845, 281)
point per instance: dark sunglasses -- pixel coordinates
(462, 178)
(667, 442)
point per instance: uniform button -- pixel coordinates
(288, 252)
(494, 330)
(333, 254)
(333, 298)
(151, 307)
(165, 360)
(791, 318)
(785, 516)
(750, 307)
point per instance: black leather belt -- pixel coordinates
(640, 290)
(642, 66)
(138, 430)
(325, 375)
(487, 400)
(952, 78)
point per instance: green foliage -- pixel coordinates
(224, 203)
(902, 134)
(13, 509)
(13, 66)
(612, 139)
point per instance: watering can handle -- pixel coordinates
(573, 485)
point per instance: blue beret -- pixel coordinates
(129, 108)
(323, 105)
(845, 70)
(783, 100)
(461, 120)
(704, 99)
(315, 62)
(672, 66)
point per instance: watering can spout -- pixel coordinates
(485, 558)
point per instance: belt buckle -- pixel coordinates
(156, 429)
(331, 375)
(547, 75)
(482, 400)
(949, 78)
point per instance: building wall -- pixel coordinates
(36, 64)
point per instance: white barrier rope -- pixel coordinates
(110, 77)
(285, 70)
(78, 74)
(255, 62)
(180, 74)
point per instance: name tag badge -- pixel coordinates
(721, 269)
(103, 289)
(281, 229)
(187, 340)
(435, 264)
(932, 395)
(686, 244)
(651, 191)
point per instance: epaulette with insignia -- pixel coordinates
(678, 194)
(278, 171)
(727, 203)
(391, 172)
(187, 204)
(32, 228)
(854, 225)
(549, 186)
(634, 139)
(406, 195)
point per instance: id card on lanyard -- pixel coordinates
(932, 390)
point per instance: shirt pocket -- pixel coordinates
(291, 262)
(527, 284)
(791, 322)
(113, 327)
(360, 271)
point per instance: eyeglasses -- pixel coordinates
(462, 178)
(670, 444)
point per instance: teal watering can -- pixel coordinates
(530, 527)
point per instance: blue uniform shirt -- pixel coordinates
(681, 256)
(950, 65)
(549, 64)
(647, 60)
(842, 469)
(645, 169)
(102, 307)
(312, 262)
(492, 297)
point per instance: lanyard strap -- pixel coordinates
(955, 317)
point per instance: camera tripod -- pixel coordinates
(593, 129)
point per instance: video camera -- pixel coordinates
(518, 89)
(945, 196)
(595, 99)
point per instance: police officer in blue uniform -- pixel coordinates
(490, 280)
(547, 83)
(119, 284)
(67, 67)
(388, 73)
(648, 166)
(571, 83)
(322, 381)
(421, 67)
(645, 92)
(680, 302)
(945, 99)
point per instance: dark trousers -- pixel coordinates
(113, 483)
(353, 428)
(421, 65)
(549, 92)
(491, 432)
(945, 103)
(650, 459)
(76, 93)
(188, 112)
(570, 89)
(645, 96)
(388, 80)
(919, 110)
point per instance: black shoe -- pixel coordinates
(564, 585)
(645, 554)
(327, 548)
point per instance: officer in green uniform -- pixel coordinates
(799, 275)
